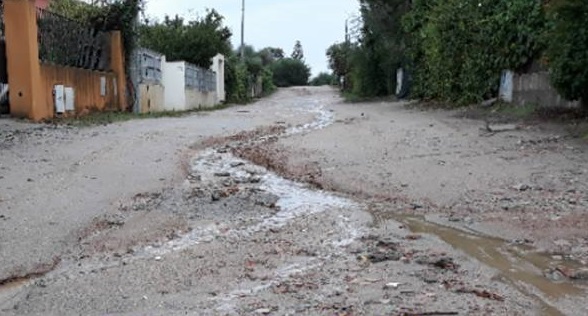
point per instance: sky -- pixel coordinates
(276, 23)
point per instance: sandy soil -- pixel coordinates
(194, 216)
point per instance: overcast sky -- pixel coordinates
(278, 23)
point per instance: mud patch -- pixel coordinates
(19, 280)
(518, 265)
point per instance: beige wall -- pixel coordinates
(152, 98)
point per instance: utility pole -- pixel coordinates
(346, 31)
(243, 30)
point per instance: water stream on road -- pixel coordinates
(519, 265)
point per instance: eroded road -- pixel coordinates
(296, 205)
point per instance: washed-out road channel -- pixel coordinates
(299, 204)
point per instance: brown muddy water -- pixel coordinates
(518, 265)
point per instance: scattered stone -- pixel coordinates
(454, 218)
(522, 187)
(413, 237)
(489, 102)
(392, 285)
(383, 257)
(216, 195)
(580, 274)
(194, 177)
(236, 164)
(266, 199)
(263, 311)
(416, 206)
(158, 258)
(255, 179)
(554, 275)
(501, 128)
(222, 174)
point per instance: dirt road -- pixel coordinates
(298, 204)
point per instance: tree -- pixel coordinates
(338, 56)
(196, 41)
(290, 72)
(298, 52)
(568, 49)
(271, 54)
(324, 79)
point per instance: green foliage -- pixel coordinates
(324, 79)
(267, 81)
(269, 55)
(369, 66)
(236, 80)
(338, 56)
(568, 49)
(298, 52)
(196, 41)
(458, 48)
(290, 72)
(241, 74)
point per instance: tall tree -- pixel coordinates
(298, 52)
(195, 41)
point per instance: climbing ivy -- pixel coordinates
(567, 53)
(458, 48)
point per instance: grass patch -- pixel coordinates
(516, 111)
(110, 117)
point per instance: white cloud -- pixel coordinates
(278, 23)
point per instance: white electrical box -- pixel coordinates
(69, 99)
(103, 86)
(59, 97)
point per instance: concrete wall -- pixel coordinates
(93, 90)
(174, 82)
(533, 88)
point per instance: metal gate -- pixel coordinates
(4, 105)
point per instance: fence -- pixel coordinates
(201, 79)
(159, 85)
(66, 42)
(59, 66)
(147, 77)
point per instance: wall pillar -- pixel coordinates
(117, 65)
(22, 54)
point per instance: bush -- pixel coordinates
(236, 81)
(267, 81)
(459, 48)
(290, 72)
(324, 79)
(567, 53)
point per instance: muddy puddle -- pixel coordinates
(518, 265)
